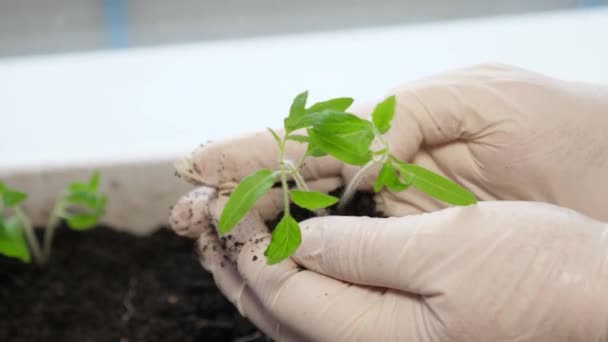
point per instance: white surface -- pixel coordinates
(161, 102)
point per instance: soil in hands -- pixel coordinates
(102, 285)
(362, 204)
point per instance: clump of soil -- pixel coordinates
(362, 204)
(102, 285)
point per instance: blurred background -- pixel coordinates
(30, 27)
(128, 86)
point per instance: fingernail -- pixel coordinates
(311, 249)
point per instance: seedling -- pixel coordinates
(346, 137)
(81, 206)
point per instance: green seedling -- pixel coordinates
(332, 131)
(81, 206)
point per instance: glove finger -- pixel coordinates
(190, 216)
(400, 253)
(232, 286)
(338, 311)
(434, 111)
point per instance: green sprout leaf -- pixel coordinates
(84, 198)
(306, 120)
(10, 197)
(296, 111)
(312, 200)
(12, 239)
(383, 114)
(388, 177)
(244, 197)
(82, 221)
(299, 138)
(286, 238)
(88, 204)
(339, 104)
(344, 136)
(312, 150)
(274, 135)
(315, 151)
(94, 181)
(435, 185)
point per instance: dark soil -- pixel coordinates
(102, 285)
(362, 204)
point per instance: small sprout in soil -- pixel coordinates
(344, 136)
(81, 206)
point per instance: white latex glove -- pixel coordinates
(497, 271)
(503, 133)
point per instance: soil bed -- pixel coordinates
(102, 285)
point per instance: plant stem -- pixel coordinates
(352, 186)
(284, 177)
(30, 236)
(300, 162)
(297, 177)
(49, 232)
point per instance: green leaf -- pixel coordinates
(312, 200)
(244, 197)
(388, 177)
(298, 105)
(81, 221)
(286, 238)
(299, 138)
(78, 187)
(312, 150)
(12, 239)
(435, 185)
(101, 204)
(383, 114)
(11, 198)
(94, 181)
(344, 136)
(315, 151)
(85, 198)
(339, 104)
(275, 135)
(306, 120)
(296, 111)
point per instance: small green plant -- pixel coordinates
(81, 206)
(346, 137)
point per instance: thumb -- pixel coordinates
(404, 253)
(444, 108)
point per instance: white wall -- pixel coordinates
(161, 102)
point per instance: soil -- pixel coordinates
(362, 204)
(102, 285)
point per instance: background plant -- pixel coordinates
(346, 137)
(80, 205)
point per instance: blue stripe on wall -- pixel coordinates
(116, 23)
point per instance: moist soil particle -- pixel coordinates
(102, 285)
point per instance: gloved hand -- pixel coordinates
(503, 133)
(497, 271)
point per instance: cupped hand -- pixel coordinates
(503, 133)
(496, 271)
(488, 272)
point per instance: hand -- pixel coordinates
(502, 132)
(497, 271)
(473, 157)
